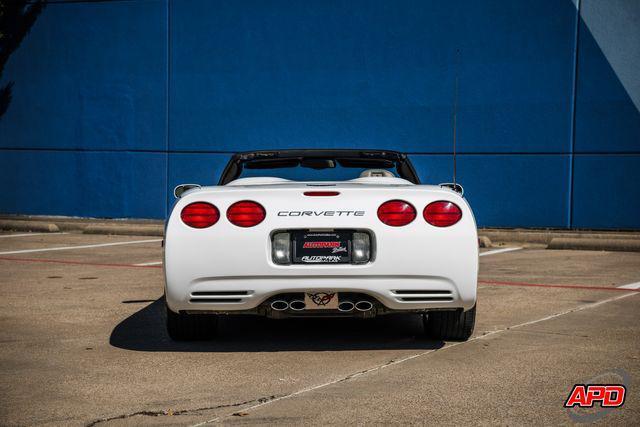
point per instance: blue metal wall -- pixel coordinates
(116, 102)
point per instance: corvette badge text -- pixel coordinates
(321, 213)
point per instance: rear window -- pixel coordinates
(298, 173)
(319, 165)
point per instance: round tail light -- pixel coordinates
(396, 213)
(200, 215)
(246, 213)
(442, 214)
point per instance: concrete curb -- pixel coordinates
(29, 226)
(71, 226)
(487, 238)
(484, 242)
(595, 244)
(125, 230)
(86, 227)
(546, 236)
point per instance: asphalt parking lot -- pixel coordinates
(82, 342)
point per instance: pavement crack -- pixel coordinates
(404, 359)
(265, 401)
(552, 333)
(364, 371)
(352, 376)
(170, 412)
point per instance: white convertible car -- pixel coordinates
(299, 233)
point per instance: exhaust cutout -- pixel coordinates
(279, 305)
(364, 305)
(346, 306)
(297, 305)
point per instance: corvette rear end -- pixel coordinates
(367, 246)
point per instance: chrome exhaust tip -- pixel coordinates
(297, 305)
(364, 305)
(346, 306)
(279, 305)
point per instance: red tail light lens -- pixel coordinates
(442, 214)
(200, 215)
(396, 213)
(246, 213)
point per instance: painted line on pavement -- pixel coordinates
(29, 234)
(542, 285)
(499, 251)
(633, 287)
(145, 264)
(92, 264)
(68, 248)
(414, 356)
(630, 286)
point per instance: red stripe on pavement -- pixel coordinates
(486, 282)
(96, 264)
(540, 285)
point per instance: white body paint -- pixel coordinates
(228, 258)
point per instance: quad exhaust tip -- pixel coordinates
(297, 305)
(279, 305)
(363, 305)
(346, 306)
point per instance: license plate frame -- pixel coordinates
(321, 247)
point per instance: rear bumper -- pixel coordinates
(394, 292)
(437, 266)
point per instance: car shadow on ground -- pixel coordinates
(145, 331)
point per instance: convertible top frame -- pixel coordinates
(238, 161)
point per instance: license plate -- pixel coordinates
(321, 300)
(322, 247)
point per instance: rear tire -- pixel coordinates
(450, 325)
(191, 327)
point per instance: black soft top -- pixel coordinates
(319, 159)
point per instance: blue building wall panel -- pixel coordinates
(608, 82)
(114, 103)
(90, 76)
(509, 197)
(82, 183)
(365, 73)
(605, 191)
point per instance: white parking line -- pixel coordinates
(28, 234)
(68, 248)
(414, 356)
(635, 285)
(144, 264)
(499, 251)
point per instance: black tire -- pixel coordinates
(191, 327)
(450, 325)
